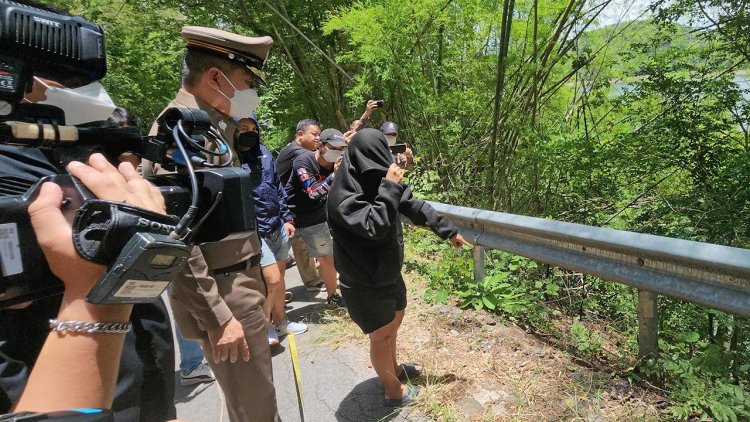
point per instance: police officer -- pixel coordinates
(219, 297)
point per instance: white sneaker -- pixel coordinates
(287, 327)
(201, 373)
(273, 338)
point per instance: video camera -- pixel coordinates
(143, 251)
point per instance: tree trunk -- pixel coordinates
(502, 54)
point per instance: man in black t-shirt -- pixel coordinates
(307, 191)
(307, 138)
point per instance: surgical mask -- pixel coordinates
(84, 104)
(244, 101)
(331, 155)
(247, 140)
(391, 139)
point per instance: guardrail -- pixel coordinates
(707, 274)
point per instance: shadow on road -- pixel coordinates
(363, 403)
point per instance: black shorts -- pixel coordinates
(373, 307)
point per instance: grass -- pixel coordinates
(338, 329)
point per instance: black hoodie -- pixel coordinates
(363, 214)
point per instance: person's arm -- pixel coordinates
(422, 214)
(76, 370)
(372, 220)
(317, 191)
(196, 290)
(286, 215)
(409, 155)
(371, 106)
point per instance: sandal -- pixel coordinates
(411, 393)
(410, 372)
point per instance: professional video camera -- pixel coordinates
(142, 250)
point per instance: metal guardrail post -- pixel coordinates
(478, 254)
(648, 324)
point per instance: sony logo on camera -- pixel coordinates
(48, 22)
(153, 225)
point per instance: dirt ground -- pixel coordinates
(481, 368)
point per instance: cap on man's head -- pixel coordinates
(389, 128)
(249, 52)
(333, 137)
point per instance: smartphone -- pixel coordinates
(398, 148)
(379, 103)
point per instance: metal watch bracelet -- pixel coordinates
(90, 327)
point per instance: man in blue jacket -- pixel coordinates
(275, 225)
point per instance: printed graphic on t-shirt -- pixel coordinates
(316, 188)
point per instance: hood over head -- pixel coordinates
(365, 164)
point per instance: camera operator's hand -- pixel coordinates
(228, 341)
(80, 369)
(290, 229)
(54, 233)
(395, 173)
(457, 241)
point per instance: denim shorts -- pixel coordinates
(274, 246)
(317, 239)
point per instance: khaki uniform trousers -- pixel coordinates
(247, 386)
(305, 264)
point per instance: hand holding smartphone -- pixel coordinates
(398, 149)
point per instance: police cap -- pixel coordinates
(250, 52)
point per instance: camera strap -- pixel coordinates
(101, 229)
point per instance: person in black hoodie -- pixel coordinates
(363, 214)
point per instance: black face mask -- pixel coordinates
(247, 140)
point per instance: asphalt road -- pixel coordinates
(337, 385)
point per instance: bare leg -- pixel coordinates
(381, 357)
(397, 323)
(275, 291)
(277, 309)
(328, 273)
(398, 319)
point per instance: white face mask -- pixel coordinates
(331, 155)
(391, 139)
(244, 101)
(84, 104)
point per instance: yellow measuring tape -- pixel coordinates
(297, 376)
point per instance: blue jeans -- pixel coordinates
(274, 247)
(191, 354)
